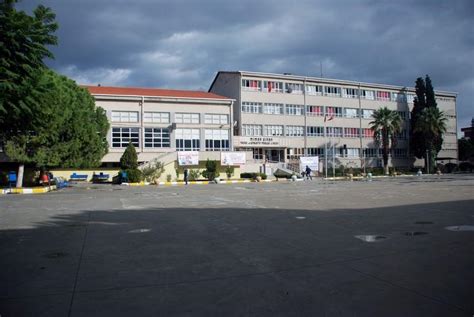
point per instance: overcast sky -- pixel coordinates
(183, 43)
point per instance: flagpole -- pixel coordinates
(325, 146)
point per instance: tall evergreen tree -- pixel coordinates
(431, 103)
(419, 104)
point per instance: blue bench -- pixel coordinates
(78, 177)
(99, 178)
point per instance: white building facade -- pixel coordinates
(161, 121)
(282, 117)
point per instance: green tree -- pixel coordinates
(431, 103)
(419, 104)
(432, 123)
(466, 149)
(23, 46)
(129, 159)
(386, 124)
(67, 130)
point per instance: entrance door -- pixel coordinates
(275, 155)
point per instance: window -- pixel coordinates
(402, 135)
(273, 86)
(402, 115)
(314, 111)
(383, 95)
(410, 98)
(367, 113)
(187, 139)
(293, 88)
(398, 97)
(334, 111)
(122, 136)
(217, 140)
(251, 84)
(156, 117)
(251, 130)
(316, 151)
(349, 93)
(186, 118)
(332, 91)
(315, 131)
(351, 112)
(295, 110)
(124, 116)
(351, 132)
(334, 131)
(293, 130)
(210, 118)
(157, 137)
(367, 94)
(367, 133)
(272, 130)
(399, 152)
(294, 153)
(315, 90)
(252, 107)
(371, 152)
(273, 108)
(352, 152)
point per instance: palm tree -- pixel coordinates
(386, 124)
(432, 124)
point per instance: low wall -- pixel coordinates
(66, 173)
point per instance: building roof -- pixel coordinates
(152, 92)
(326, 81)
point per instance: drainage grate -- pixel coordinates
(55, 255)
(460, 228)
(139, 230)
(371, 238)
(415, 233)
(423, 223)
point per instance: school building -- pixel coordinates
(280, 117)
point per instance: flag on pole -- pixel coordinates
(328, 119)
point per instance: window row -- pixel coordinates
(164, 117)
(320, 90)
(312, 111)
(311, 131)
(186, 139)
(341, 151)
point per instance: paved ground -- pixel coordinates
(278, 249)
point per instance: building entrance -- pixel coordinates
(274, 155)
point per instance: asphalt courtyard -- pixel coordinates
(390, 247)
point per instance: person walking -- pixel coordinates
(186, 176)
(308, 173)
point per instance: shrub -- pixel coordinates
(248, 175)
(134, 175)
(450, 167)
(150, 173)
(168, 178)
(229, 170)
(262, 175)
(210, 172)
(466, 166)
(129, 159)
(193, 175)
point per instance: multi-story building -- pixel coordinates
(282, 117)
(159, 121)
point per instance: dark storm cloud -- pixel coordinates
(182, 44)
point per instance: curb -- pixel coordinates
(22, 191)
